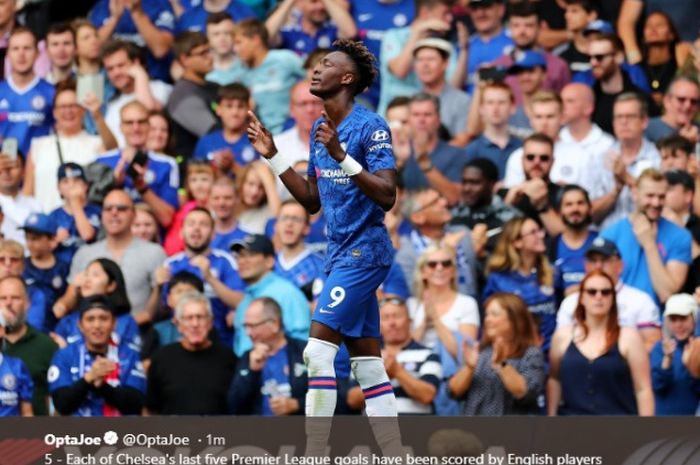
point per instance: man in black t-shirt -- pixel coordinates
(191, 377)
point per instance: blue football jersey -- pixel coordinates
(16, 385)
(294, 38)
(223, 241)
(51, 280)
(305, 271)
(39, 314)
(373, 19)
(275, 380)
(162, 175)
(26, 113)
(126, 331)
(225, 269)
(72, 362)
(211, 143)
(65, 220)
(354, 222)
(570, 263)
(196, 18)
(160, 13)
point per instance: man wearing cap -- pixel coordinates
(77, 221)
(635, 308)
(529, 69)
(433, 19)
(524, 28)
(222, 283)
(676, 390)
(256, 259)
(25, 342)
(16, 207)
(16, 388)
(430, 60)
(42, 268)
(97, 377)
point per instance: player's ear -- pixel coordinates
(347, 79)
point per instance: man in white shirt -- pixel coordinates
(579, 103)
(132, 82)
(16, 207)
(572, 164)
(635, 308)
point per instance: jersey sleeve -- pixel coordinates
(167, 191)
(162, 16)
(59, 374)
(376, 142)
(431, 370)
(680, 248)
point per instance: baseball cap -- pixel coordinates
(527, 59)
(599, 25)
(681, 304)
(96, 301)
(71, 170)
(603, 247)
(40, 223)
(441, 45)
(257, 243)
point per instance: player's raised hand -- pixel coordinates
(260, 138)
(327, 134)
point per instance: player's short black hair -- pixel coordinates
(674, 143)
(523, 9)
(363, 59)
(488, 169)
(572, 188)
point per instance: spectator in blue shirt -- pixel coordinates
(676, 391)
(305, 25)
(656, 252)
(148, 24)
(17, 386)
(196, 18)
(256, 259)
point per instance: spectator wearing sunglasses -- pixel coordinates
(519, 265)
(681, 104)
(537, 195)
(598, 367)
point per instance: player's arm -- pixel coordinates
(305, 191)
(379, 186)
(158, 41)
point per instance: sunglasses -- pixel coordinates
(693, 101)
(432, 264)
(543, 157)
(593, 292)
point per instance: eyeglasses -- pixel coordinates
(607, 292)
(543, 157)
(392, 301)
(134, 122)
(67, 106)
(120, 208)
(599, 56)
(432, 264)
(693, 101)
(626, 117)
(255, 325)
(291, 219)
(193, 318)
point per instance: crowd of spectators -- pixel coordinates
(546, 233)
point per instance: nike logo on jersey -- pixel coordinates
(364, 17)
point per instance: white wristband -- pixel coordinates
(279, 164)
(350, 165)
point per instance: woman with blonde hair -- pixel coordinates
(598, 367)
(504, 373)
(519, 265)
(258, 198)
(439, 310)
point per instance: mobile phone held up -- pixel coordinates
(10, 148)
(492, 74)
(139, 159)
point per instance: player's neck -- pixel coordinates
(575, 237)
(290, 252)
(497, 133)
(338, 106)
(22, 80)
